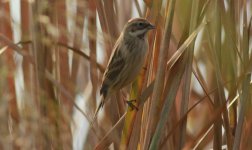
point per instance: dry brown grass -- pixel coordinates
(193, 93)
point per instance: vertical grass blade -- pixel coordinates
(189, 54)
(159, 84)
(245, 96)
(176, 64)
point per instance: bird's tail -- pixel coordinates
(97, 111)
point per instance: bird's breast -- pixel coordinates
(135, 60)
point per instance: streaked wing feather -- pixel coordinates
(114, 68)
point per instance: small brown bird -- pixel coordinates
(127, 59)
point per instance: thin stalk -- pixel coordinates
(156, 105)
(188, 73)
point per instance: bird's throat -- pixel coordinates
(141, 36)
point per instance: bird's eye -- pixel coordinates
(140, 24)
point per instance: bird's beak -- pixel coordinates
(150, 27)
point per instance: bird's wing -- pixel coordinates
(115, 66)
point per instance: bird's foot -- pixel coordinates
(131, 105)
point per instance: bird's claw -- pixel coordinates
(131, 105)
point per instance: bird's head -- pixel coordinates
(138, 27)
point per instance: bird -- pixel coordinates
(127, 59)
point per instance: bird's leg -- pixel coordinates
(131, 105)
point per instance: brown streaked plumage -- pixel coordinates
(127, 58)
